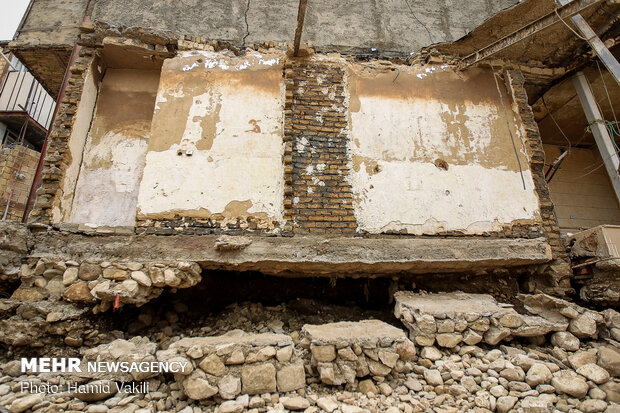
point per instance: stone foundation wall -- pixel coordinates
(98, 284)
(454, 319)
(342, 352)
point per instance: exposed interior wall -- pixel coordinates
(217, 141)
(113, 160)
(431, 152)
(77, 141)
(581, 191)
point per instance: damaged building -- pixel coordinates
(314, 206)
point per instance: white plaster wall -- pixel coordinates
(113, 157)
(79, 132)
(107, 196)
(241, 165)
(396, 185)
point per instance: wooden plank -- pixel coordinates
(301, 14)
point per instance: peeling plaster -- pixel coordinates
(233, 128)
(107, 189)
(399, 130)
(77, 142)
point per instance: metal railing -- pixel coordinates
(21, 92)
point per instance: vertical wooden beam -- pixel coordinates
(300, 25)
(604, 142)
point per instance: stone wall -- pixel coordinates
(345, 351)
(103, 284)
(18, 165)
(58, 156)
(515, 82)
(454, 319)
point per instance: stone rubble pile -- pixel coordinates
(98, 284)
(37, 324)
(15, 241)
(341, 352)
(236, 363)
(351, 367)
(452, 319)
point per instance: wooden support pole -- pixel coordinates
(604, 142)
(300, 25)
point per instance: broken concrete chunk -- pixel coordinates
(231, 243)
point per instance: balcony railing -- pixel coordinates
(21, 92)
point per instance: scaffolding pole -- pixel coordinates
(599, 129)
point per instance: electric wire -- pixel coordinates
(607, 92)
(514, 146)
(611, 126)
(556, 123)
(600, 165)
(566, 24)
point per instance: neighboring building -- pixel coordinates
(26, 112)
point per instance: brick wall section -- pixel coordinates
(318, 198)
(515, 83)
(16, 162)
(58, 156)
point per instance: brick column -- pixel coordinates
(515, 82)
(318, 198)
(58, 156)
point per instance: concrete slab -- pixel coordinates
(303, 255)
(349, 332)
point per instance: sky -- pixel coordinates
(11, 15)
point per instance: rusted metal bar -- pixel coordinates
(563, 12)
(300, 25)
